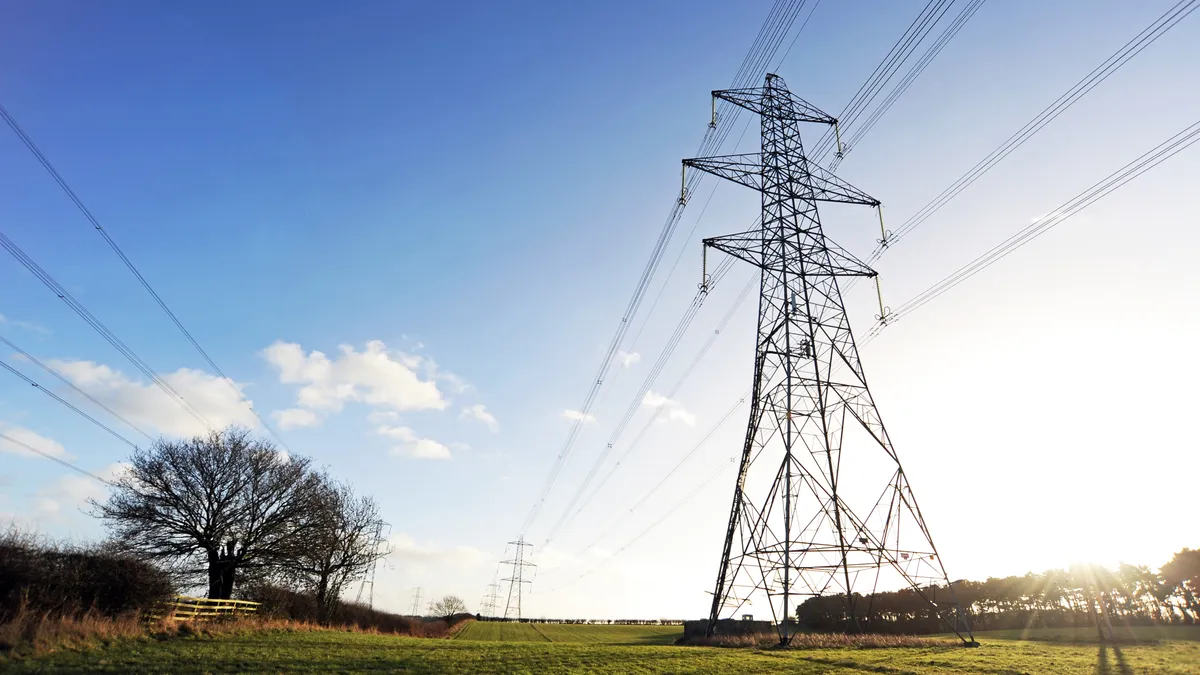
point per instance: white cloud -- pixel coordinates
(27, 325)
(587, 418)
(479, 413)
(674, 411)
(71, 492)
(417, 558)
(30, 438)
(382, 416)
(292, 418)
(146, 405)
(412, 445)
(375, 376)
(627, 359)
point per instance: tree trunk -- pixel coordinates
(228, 570)
(214, 574)
(324, 611)
(229, 562)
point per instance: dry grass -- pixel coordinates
(31, 633)
(823, 641)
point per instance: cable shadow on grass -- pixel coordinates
(1103, 667)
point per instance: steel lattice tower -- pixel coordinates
(515, 582)
(487, 606)
(416, 610)
(795, 530)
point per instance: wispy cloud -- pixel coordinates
(479, 413)
(627, 359)
(672, 409)
(412, 446)
(586, 418)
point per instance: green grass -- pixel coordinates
(321, 652)
(493, 631)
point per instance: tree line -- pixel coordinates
(1060, 598)
(229, 510)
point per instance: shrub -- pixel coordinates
(65, 580)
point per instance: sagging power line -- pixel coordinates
(1131, 170)
(66, 188)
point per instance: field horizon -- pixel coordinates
(485, 647)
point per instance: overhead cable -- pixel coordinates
(52, 458)
(99, 327)
(766, 44)
(1147, 161)
(1100, 73)
(66, 188)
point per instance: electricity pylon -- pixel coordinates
(416, 610)
(795, 529)
(487, 606)
(512, 609)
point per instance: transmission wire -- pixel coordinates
(1135, 168)
(1112, 64)
(713, 138)
(98, 326)
(29, 357)
(66, 188)
(52, 458)
(31, 382)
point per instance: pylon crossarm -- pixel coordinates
(742, 169)
(748, 247)
(776, 103)
(829, 188)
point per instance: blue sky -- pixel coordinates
(454, 206)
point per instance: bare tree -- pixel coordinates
(448, 606)
(226, 504)
(344, 541)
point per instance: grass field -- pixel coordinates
(576, 633)
(319, 652)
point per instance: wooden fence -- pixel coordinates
(184, 608)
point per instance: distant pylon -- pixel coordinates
(416, 610)
(487, 606)
(795, 529)
(368, 580)
(512, 608)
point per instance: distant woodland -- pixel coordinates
(1080, 596)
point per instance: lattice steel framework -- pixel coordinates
(794, 528)
(487, 605)
(512, 608)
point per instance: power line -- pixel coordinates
(678, 465)
(797, 36)
(783, 12)
(62, 183)
(911, 76)
(883, 73)
(751, 284)
(52, 458)
(1152, 158)
(635, 405)
(1102, 72)
(29, 357)
(759, 56)
(663, 518)
(98, 326)
(68, 404)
